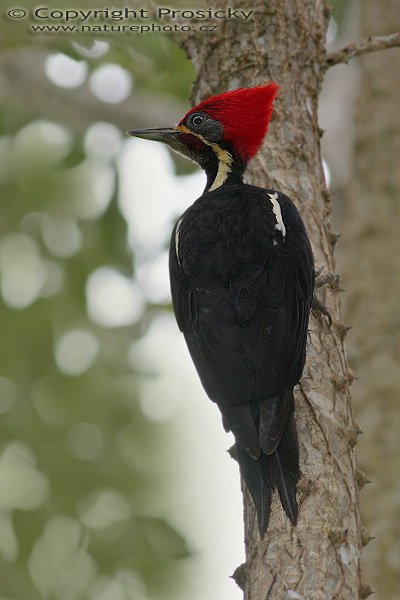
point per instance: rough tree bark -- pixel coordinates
(370, 252)
(320, 558)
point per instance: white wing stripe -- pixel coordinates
(276, 209)
(177, 240)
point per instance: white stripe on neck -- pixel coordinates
(224, 166)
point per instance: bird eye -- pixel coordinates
(196, 120)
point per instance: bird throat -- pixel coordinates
(224, 160)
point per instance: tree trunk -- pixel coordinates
(320, 558)
(370, 249)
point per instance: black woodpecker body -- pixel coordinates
(242, 281)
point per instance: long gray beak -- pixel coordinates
(157, 134)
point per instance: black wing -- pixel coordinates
(242, 295)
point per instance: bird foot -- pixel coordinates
(329, 279)
(318, 308)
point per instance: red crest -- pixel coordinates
(244, 113)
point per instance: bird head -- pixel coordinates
(232, 124)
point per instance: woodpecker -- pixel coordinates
(242, 283)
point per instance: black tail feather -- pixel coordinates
(286, 471)
(279, 470)
(257, 475)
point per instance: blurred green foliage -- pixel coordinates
(339, 11)
(82, 470)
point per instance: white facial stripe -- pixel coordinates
(224, 166)
(177, 241)
(224, 158)
(276, 209)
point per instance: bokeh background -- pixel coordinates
(115, 483)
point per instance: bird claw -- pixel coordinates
(319, 307)
(329, 279)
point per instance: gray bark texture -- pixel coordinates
(319, 559)
(370, 253)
